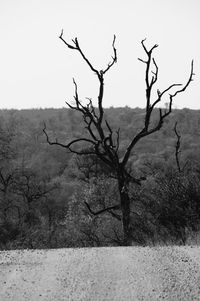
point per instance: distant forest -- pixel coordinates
(44, 189)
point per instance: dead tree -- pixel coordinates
(177, 148)
(101, 140)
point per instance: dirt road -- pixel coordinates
(165, 273)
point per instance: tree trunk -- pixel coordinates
(125, 208)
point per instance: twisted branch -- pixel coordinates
(149, 107)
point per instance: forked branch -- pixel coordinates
(68, 145)
(150, 81)
(100, 74)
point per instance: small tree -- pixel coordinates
(102, 141)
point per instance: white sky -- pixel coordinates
(36, 68)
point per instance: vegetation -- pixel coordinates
(43, 189)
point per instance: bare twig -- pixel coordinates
(68, 145)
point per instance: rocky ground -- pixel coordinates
(133, 273)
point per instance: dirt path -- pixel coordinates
(168, 273)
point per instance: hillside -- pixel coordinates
(43, 188)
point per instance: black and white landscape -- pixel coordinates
(99, 150)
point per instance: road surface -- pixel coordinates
(132, 273)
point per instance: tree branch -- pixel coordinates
(149, 107)
(177, 151)
(100, 74)
(68, 146)
(77, 47)
(115, 207)
(114, 58)
(115, 215)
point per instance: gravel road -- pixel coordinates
(132, 273)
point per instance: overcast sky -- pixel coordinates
(36, 68)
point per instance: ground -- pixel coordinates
(131, 273)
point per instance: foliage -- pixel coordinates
(43, 189)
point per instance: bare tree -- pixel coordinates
(101, 140)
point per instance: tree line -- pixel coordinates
(44, 189)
